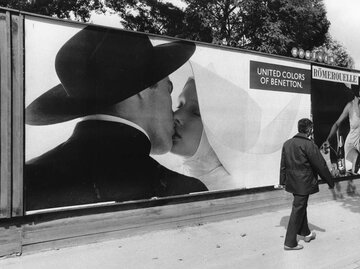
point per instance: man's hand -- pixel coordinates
(279, 187)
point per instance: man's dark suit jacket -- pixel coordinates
(301, 162)
(101, 161)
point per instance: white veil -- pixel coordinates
(203, 161)
(244, 128)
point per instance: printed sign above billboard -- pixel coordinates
(323, 73)
(273, 77)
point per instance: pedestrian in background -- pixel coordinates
(301, 163)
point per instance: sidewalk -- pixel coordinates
(248, 242)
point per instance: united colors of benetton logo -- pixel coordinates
(265, 76)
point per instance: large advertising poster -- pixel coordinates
(249, 106)
(335, 107)
(115, 116)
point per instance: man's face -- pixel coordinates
(160, 126)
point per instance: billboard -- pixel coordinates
(335, 108)
(117, 116)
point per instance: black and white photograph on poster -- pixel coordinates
(117, 83)
(176, 133)
(243, 124)
(335, 108)
(123, 116)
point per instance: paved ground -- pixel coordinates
(249, 242)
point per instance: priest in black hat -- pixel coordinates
(118, 83)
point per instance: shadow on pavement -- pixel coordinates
(285, 220)
(349, 196)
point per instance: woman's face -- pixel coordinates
(188, 124)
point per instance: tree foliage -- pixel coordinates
(74, 9)
(334, 48)
(275, 26)
(272, 26)
(149, 16)
(224, 19)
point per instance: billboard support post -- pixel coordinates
(5, 114)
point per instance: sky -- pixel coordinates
(344, 16)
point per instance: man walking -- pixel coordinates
(301, 162)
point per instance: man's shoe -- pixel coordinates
(307, 238)
(298, 247)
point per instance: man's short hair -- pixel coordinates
(304, 125)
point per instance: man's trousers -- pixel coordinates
(298, 223)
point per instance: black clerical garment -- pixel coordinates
(101, 161)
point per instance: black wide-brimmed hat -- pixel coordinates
(99, 67)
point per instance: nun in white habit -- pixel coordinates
(219, 136)
(190, 141)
